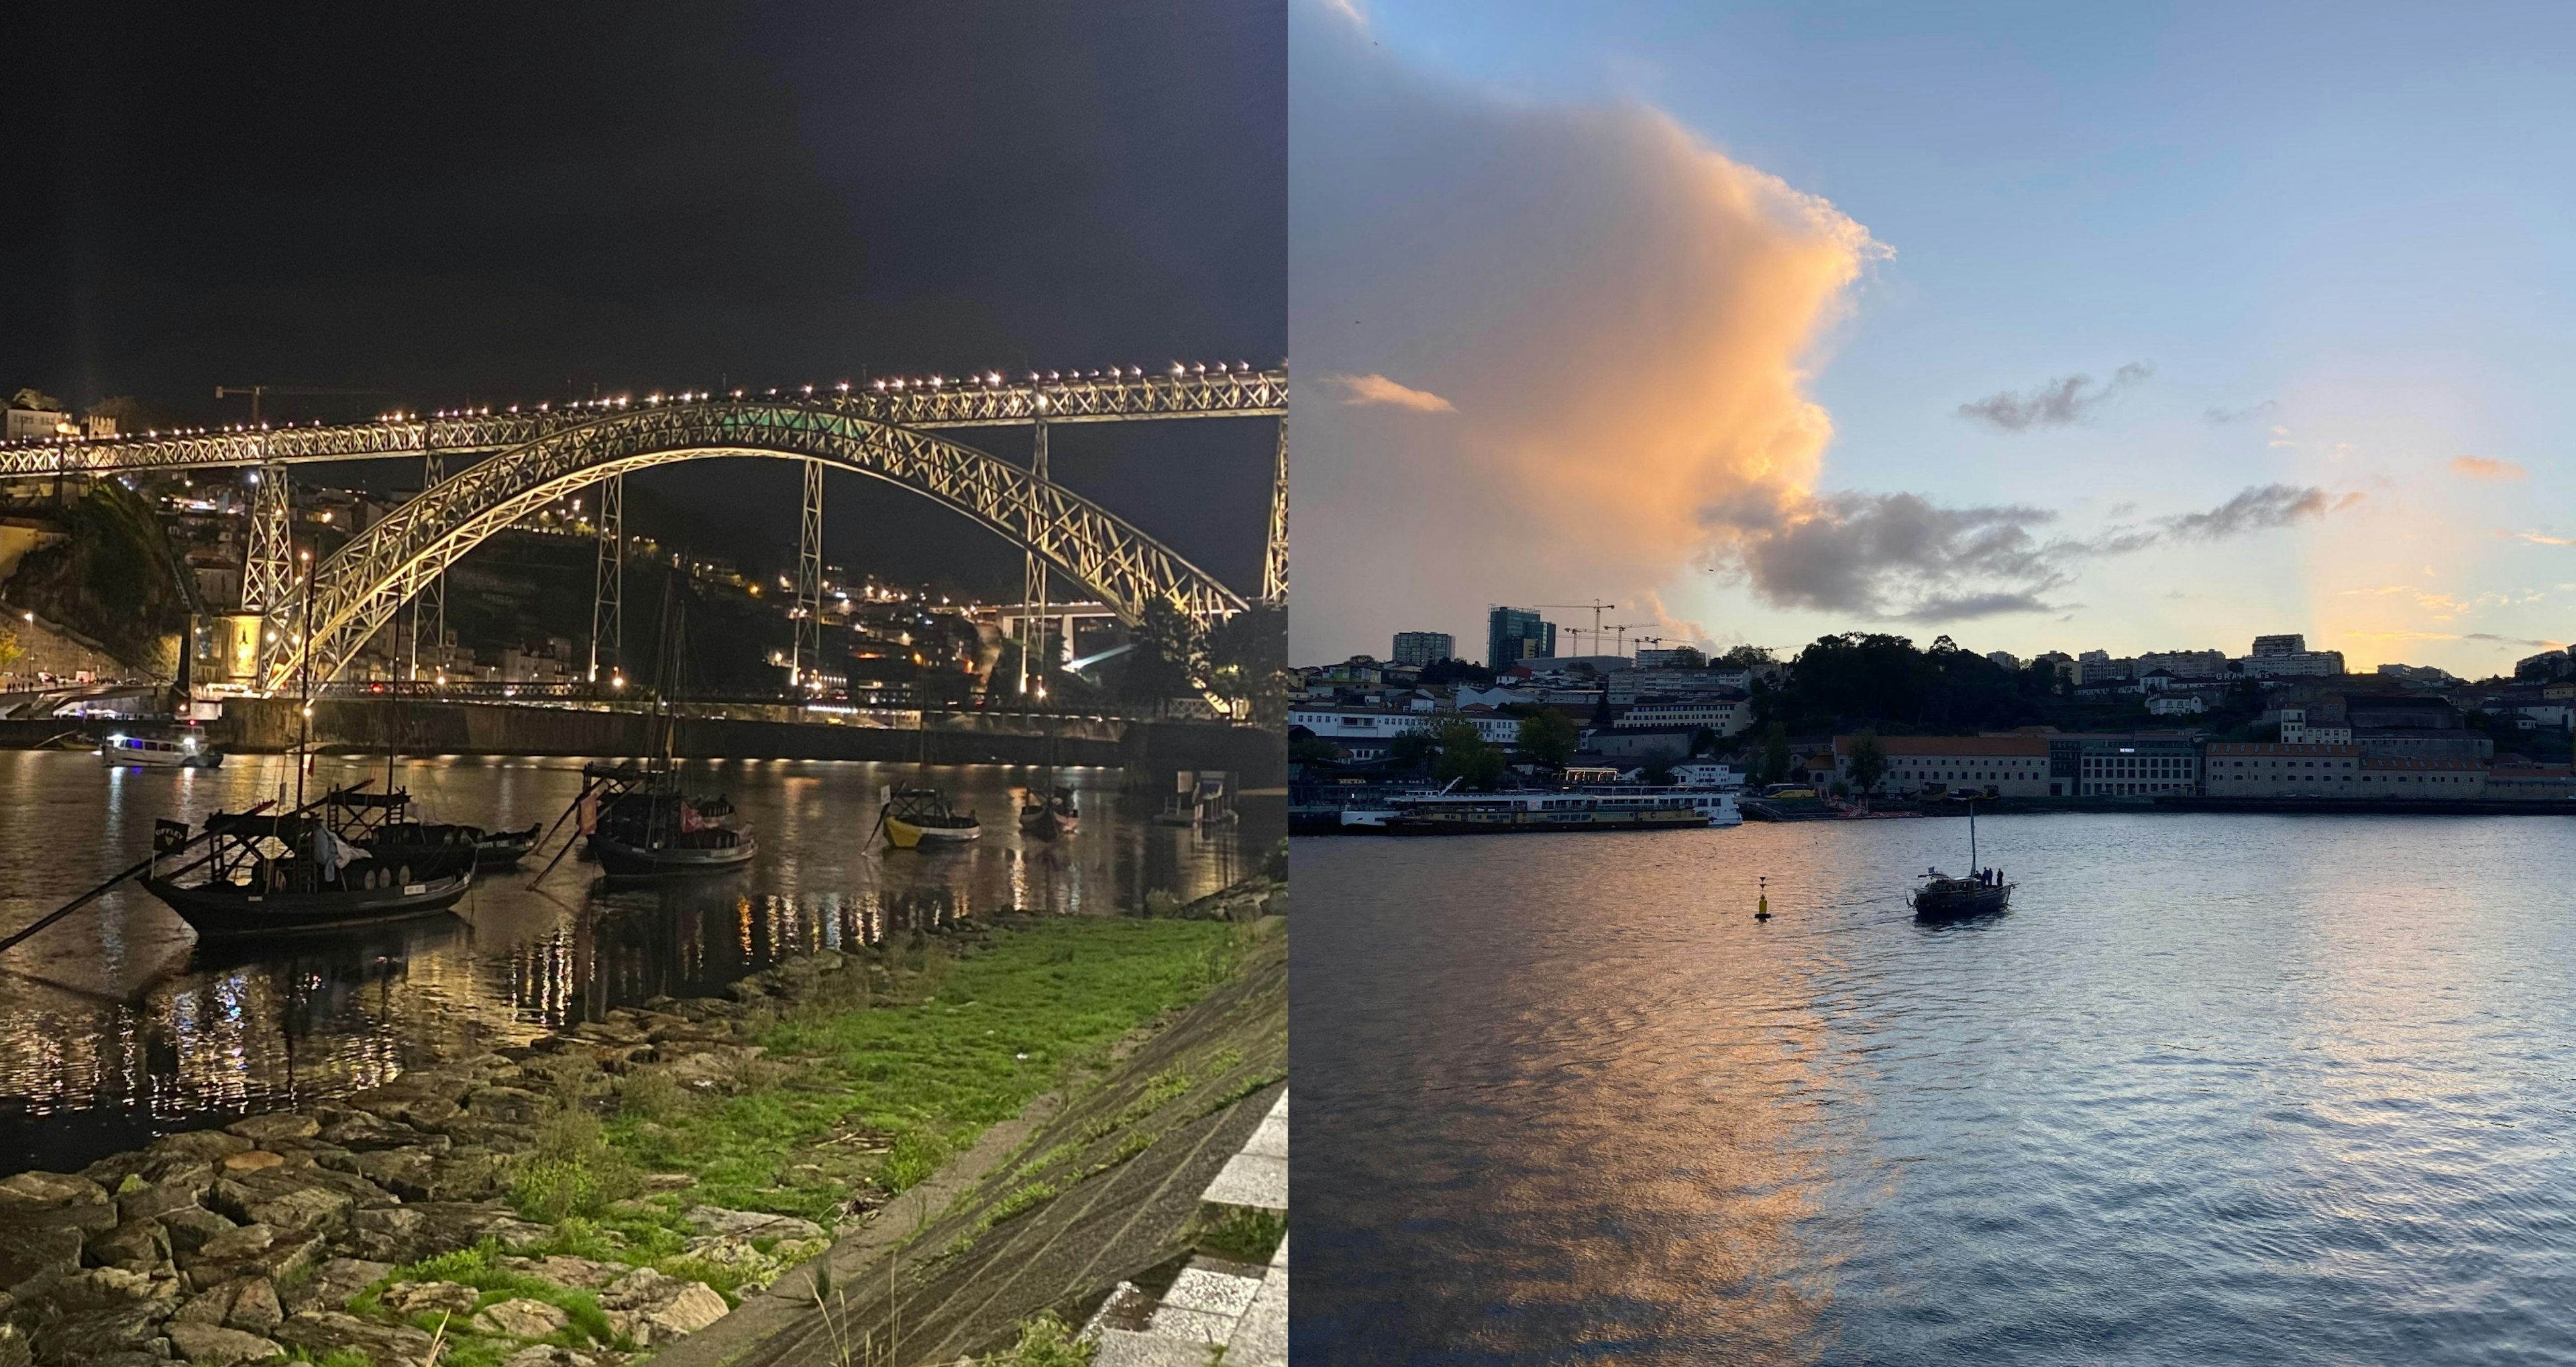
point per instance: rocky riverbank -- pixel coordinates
(597, 1193)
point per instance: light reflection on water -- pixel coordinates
(2219, 1089)
(113, 1027)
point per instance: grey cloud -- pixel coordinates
(2255, 509)
(2223, 416)
(2061, 402)
(1901, 557)
(2509, 640)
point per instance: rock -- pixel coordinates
(406, 1233)
(364, 1132)
(283, 1260)
(308, 1209)
(565, 1270)
(148, 1200)
(89, 1338)
(548, 1355)
(223, 1347)
(209, 1306)
(190, 1227)
(653, 1309)
(34, 1256)
(404, 1172)
(50, 1190)
(203, 1146)
(13, 1345)
(263, 1129)
(97, 1287)
(750, 1224)
(136, 1245)
(521, 1319)
(323, 1332)
(235, 1244)
(514, 1105)
(251, 1160)
(332, 1284)
(431, 1298)
(256, 1307)
(474, 1131)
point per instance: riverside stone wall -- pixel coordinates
(241, 1244)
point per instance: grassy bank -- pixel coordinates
(881, 1070)
(849, 1079)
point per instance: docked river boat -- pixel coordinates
(185, 750)
(1049, 815)
(642, 826)
(267, 875)
(1514, 813)
(914, 817)
(384, 824)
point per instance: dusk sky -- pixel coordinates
(490, 203)
(2150, 331)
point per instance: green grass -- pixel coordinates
(1246, 1236)
(480, 1267)
(930, 1054)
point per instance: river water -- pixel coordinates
(2218, 1089)
(113, 1028)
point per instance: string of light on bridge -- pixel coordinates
(935, 383)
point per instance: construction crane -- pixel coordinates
(300, 391)
(1623, 628)
(1597, 606)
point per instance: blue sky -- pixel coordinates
(2350, 227)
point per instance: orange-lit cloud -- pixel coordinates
(2481, 468)
(1368, 389)
(1618, 322)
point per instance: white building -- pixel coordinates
(2296, 731)
(1371, 724)
(2012, 766)
(2177, 705)
(1725, 717)
(2283, 769)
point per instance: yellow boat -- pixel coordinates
(917, 816)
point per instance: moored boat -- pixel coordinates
(185, 750)
(1981, 892)
(1049, 816)
(914, 817)
(642, 826)
(267, 875)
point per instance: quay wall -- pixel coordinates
(1146, 748)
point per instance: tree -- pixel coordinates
(1775, 754)
(1412, 750)
(1247, 656)
(1868, 762)
(1705, 741)
(1465, 757)
(1661, 775)
(1548, 737)
(1746, 657)
(32, 397)
(1312, 749)
(1167, 661)
(1455, 672)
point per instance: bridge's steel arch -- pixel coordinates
(358, 589)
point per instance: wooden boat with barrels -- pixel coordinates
(1982, 892)
(268, 875)
(642, 826)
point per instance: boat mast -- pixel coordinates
(1972, 838)
(304, 688)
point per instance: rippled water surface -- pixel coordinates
(2218, 1089)
(114, 1027)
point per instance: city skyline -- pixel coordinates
(2140, 333)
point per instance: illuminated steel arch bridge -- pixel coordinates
(887, 430)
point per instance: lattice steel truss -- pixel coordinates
(608, 581)
(366, 582)
(268, 565)
(1274, 556)
(807, 652)
(429, 609)
(966, 403)
(1033, 583)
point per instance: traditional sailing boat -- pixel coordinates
(922, 814)
(1984, 890)
(640, 824)
(1047, 809)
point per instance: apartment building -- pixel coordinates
(2013, 766)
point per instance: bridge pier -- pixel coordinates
(608, 580)
(1274, 559)
(1033, 580)
(807, 651)
(268, 563)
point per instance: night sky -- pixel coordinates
(504, 203)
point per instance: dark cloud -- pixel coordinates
(1902, 557)
(2513, 640)
(2223, 416)
(2258, 509)
(2061, 402)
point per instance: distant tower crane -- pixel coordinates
(1598, 607)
